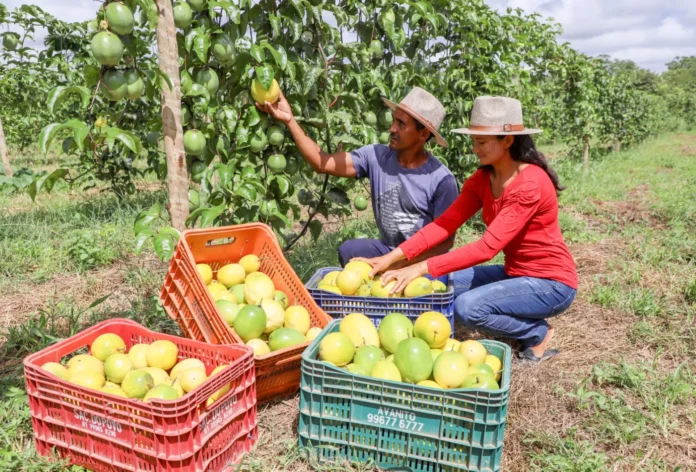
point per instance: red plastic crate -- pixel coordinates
(103, 432)
(186, 298)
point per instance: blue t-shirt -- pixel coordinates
(403, 200)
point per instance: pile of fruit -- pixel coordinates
(355, 280)
(260, 315)
(419, 353)
(145, 372)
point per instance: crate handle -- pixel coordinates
(220, 241)
(294, 358)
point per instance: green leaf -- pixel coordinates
(142, 237)
(264, 74)
(163, 78)
(53, 177)
(91, 74)
(279, 54)
(191, 220)
(164, 246)
(275, 24)
(338, 195)
(130, 140)
(310, 78)
(48, 134)
(256, 52)
(210, 214)
(283, 184)
(246, 191)
(315, 227)
(59, 94)
(254, 117)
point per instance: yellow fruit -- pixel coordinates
(433, 328)
(474, 351)
(439, 287)
(117, 366)
(263, 95)
(349, 282)
(495, 364)
(312, 333)
(107, 344)
(418, 287)
(386, 370)
(451, 345)
(429, 383)
(224, 295)
(192, 378)
(93, 380)
(251, 263)
(330, 288)
(206, 273)
(330, 278)
(260, 347)
(360, 330)
(176, 385)
(162, 354)
(216, 287)
(159, 376)
(362, 268)
(222, 390)
(274, 315)
(231, 275)
(380, 291)
(337, 348)
(84, 363)
(138, 354)
(114, 390)
(297, 317)
(56, 369)
(111, 384)
(363, 291)
(185, 365)
(257, 288)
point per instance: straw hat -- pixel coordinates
(425, 108)
(496, 116)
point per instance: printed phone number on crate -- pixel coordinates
(98, 423)
(410, 425)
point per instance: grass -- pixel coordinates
(620, 397)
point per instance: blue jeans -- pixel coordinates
(486, 298)
(368, 248)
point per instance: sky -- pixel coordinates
(649, 32)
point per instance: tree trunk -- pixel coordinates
(177, 175)
(3, 152)
(617, 145)
(586, 153)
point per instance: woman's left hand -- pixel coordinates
(404, 276)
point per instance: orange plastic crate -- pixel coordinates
(187, 300)
(103, 432)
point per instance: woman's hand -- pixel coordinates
(404, 276)
(382, 263)
(280, 110)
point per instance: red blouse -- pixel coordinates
(522, 222)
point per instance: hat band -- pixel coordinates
(502, 129)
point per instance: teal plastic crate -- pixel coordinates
(394, 424)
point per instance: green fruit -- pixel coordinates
(248, 172)
(481, 381)
(370, 118)
(238, 292)
(414, 360)
(481, 369)
(198, 5)
(250, 322)
(116, 366)
(385, 137)
(208, 78)
(185, 115)
(120, 18)
(385, 118)
(223, 50)
(275, 135)
(194, 199)
(137, 383)
(114, 85)
(258, 142)
(161, 392)
(107, 48)
(282, 299)
(202, 20)
(357, 369)
(183, 16)
(277, 163)
(307, 36)
(304, 197)
(360, 203)
(10, 41)
(393, 329)
(228, 310)
(135, 84)
(376, 48)
(194, 142)
(368, 356)
(386, 370)
(285, 337)
(292, 165)
(268, 207)
(197, 169)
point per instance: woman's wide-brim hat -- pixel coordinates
(493, 116)
(425, 108)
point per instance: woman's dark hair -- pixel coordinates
(524, 150)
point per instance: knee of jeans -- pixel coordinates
(468, 310)
(346, 252)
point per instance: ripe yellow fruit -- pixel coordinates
(362, 268)
(262, 95)
(312, 333)
(330, 278)
(274, 315)
(56, 369)
(378, 290)
(222, 390)
(117, 366)
(93, 380)
(159, 376)
(215, 287)
(429, 383)
(192, 378)
(348, 282)
(107, 344)
(84, 363)
(474, 351)
(251, 263)
(363, 291)
(433, 328)
(138, 354)
(297, 317)
(257, 288)
(114, 390)
(176, 385)
(162, 354)
(224, 295)
(206, 273)
(418, 287)
(330, 288)
(451, 345)
(360, 330)
(231, 275)
(495, 364)
(259, 347)
(185, 365)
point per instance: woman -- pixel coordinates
(517, 192)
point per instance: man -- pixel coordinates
(409, 187)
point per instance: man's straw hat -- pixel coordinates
(425, 108)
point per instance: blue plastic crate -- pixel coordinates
(395, 424)
(375, 308)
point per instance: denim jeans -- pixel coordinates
(486, 298)
(368, 248)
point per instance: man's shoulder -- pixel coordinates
(437, 167)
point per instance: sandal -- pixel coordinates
(528, 354)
